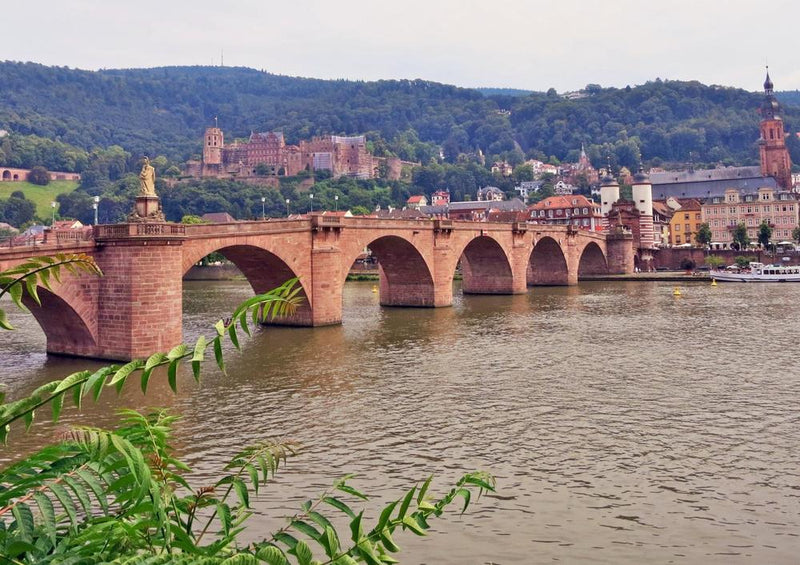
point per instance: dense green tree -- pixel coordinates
(17, 211)
(703, 236)
(764, 234)
(796, 234)
(39, 175)
(740, 237)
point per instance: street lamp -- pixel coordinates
(263, 213)
(287, 207)
(95, 205)
(336, 201)
(53, 206)
(311, 200)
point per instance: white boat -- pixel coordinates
(758, 272)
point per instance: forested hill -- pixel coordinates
(164, 111)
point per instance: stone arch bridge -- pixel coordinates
(136, 308)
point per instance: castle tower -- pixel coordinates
(609, 193)
(212, 146)
(643, 201)
(775, 161)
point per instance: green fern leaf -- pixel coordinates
(24, 520)
(72, 380)
(97, 489)
(66, 501)
(4, 323)
(303, 553)
(218, 354)
(339, 505)
(172, 375)
(57, 403)
(48, 513)
(177, 352)
(30, 286)
(272, 555)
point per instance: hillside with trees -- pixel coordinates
(164, 111)
(101, 123)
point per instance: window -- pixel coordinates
(697, 216)
(678, 239)
(677, 227)
(585, 211)
(687, 228)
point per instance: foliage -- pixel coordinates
(121, 496)
(703, 236)
(27, 276)
(740, 237)
(41, 196)
(410, 119)
(764, 233)
(39, 175)
(192, 219)
(17, 211)
(715, 261)
(743, 261)
(796, 234)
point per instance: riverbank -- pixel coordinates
(658, 276)
(228, 272)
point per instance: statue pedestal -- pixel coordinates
(147, 209)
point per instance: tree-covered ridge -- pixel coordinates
(164, 111)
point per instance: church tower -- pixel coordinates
(775, 160)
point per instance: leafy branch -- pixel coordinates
(38, 271)
(282, 301)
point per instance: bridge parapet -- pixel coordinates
(142, 230)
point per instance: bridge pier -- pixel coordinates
(140, 302)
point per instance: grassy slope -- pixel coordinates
(42, 196)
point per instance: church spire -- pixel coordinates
(768, 86)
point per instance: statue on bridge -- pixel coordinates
(148, 204)
(147, 179)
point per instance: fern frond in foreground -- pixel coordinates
(122, 497)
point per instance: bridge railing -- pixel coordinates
(121, 231)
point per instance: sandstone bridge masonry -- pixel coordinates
(136, 308)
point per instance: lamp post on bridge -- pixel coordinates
(95, 205)
(311, 201)
(263, 212)
(336, 202)
(287, 207)
(53, 206)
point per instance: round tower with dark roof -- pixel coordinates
(775, 161)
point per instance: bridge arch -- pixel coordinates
(69, 323)
(265, 269)
(547, 265)
(592, 261)
(6, 175)
(406, 278)
(485, 267)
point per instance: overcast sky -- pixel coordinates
(528, 44)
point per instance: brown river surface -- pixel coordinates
(624, 425)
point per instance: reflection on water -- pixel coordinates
(624, 425)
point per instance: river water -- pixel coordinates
(623, 424)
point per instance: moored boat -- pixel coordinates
(758, 272)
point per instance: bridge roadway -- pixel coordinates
(136, 308)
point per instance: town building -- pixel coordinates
(480, 210)
(662, 214)
(440, 197)
(417, 201)
(490, 194)
(562, 188)
(685, 223)
(502, 168)
(780, 209)
(575, 210)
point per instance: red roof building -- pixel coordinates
(575, 209)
